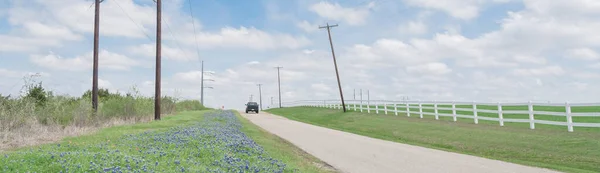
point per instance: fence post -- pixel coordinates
(420, 109)
(407, 109)
(376, 108)
(569, 117)
(361, 103)
(475, 119)
(368, 106)
(395, 109)
(354, 105)
(435, 109)
(500, 114)
(453, 111)
(385, 108)
(531, 116)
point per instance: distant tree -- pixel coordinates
(103, 94)
(37, 93)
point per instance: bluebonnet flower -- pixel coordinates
(218, 136)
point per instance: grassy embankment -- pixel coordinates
(205, 141)
(546, 146)
(39, 116)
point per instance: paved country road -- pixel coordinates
(351, 153)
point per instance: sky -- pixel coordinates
(451, 50)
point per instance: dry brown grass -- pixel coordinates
(32, 133)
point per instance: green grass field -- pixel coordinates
(428, 108)
(553, 148)
(188, 141)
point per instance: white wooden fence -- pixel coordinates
(545, 113)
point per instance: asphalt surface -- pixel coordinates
(351, 153)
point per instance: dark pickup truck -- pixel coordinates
(252, 106)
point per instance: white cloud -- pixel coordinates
(586, 75)
(193, 76)
(583, 54)
(308, 52)
(9, 73)
(50, 32)
(352, 16)
(435, 68)
(413, 27)
(462, 9)
(24, 44)
(307, 27)
(106, 59)
(548, 70)
(245, 37)
(530, 59)
(18, 74)
(168, 52)
(319, 87)
(104, 84)
(77, 15)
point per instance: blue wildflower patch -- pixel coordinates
(215, 144)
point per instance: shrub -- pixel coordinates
(39, 106)
(38, 94)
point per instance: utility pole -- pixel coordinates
(279, 84)
(250, 98)
(354, 95)
(368, 97)
(260, 96)
(334, 62)
(271, 101)
(158, 54)
(361, 98)
(95, 70)
(202, 82)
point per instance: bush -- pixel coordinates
(47, 109)
(189, 105)
(38, 94)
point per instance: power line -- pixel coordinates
(194, 25)
(198, 53)
(136, 24)
(175, 38)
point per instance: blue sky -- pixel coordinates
(466, 50)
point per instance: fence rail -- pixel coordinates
(586, 114)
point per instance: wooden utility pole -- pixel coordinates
(95, 68)
(158, 54)
(328, 27)
(279, 84)
(260, 96)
